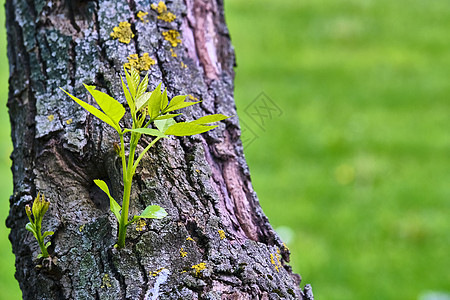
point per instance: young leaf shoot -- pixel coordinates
(40, 207)
(146, 108)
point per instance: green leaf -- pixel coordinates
(142, 86)
(210, 119)
(130, 83)
(39, 256)
(136, 77)
(48, 244)
(30, 227)
(164, 100)
(130, 101)
(115, 207)
(142, 100)
(180, 106)
(47, 233)
(153, 212)
(154, 103)
(168, 116)
(176, 101)
(96, 112)
(108, 104)
(184, 129)
(148, 131)
(164, 124)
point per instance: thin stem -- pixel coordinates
(128, 173)
(122, 155)
(148, 123)
(127, 182)
(126, 196)
(124, 215)
(41, 240)
(143, 152)
(133, 144)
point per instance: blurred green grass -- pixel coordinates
(355, 172)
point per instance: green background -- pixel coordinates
(354, 173)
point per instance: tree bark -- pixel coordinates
(203, 181)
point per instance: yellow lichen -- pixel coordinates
(191, 97)
(106, 281)
(123, 32)
(140, 225)
(133, 60)
(167, 17)
(81, 227)
(286, 248)
(141, 15)
(164, 14)
(221, 234)
(277, 263)
(172, 36)
(198, 268)
(145, 62)
(69, 121)
(183, 65)
(154, 273)
(142, 63)
(189, 239)
(173, 53)
(182, 252)
(51, 118)
(160, 8)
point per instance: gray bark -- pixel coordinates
(203, 181)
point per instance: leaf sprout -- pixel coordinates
(40, 207)
(146, 108)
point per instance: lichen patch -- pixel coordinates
(142, 63)
(182, 252)
(106, 281)
(160, 7)
(191, 97)
(155, 273)
(172, 36)
(164, 14)
(142, 16)
(140, 225)
(167, 17)
(221, 234)
(199, 268)
(275, 260)
(123, 32)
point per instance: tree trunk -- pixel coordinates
(203, 181)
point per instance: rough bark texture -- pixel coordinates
(203, 182)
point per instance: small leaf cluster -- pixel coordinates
(152, 114)
(40, 207)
